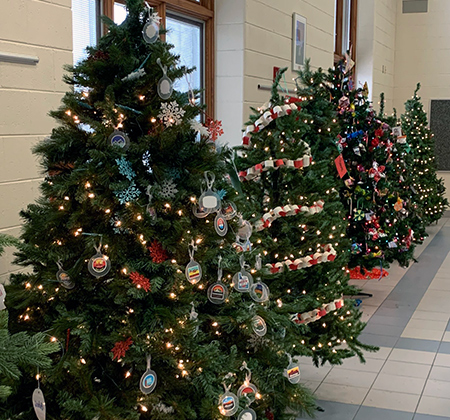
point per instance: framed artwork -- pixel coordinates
(298, 41)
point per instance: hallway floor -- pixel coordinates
(408, 318)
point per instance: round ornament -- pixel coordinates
(165, 87)
(200, 212)
(221, 225)
(39, 404)
(228, 404)
(247, 414)
(229, 210)
(148, 380)
(217, 293)
(119, 139)
(245, 231)
(293, 373)
(99, 265)
(151, 32)
(242, 281)
(246, 390)
(64, 278)
(259, 292)
(210, 200)
(193, 272)
(259, 326)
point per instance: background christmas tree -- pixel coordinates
(128, 206)
(378, 231)
(428, 188)
(289, 178)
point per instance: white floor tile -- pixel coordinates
(371, 365)
(446, 336)
(381, 354)
(412, 356)
(312, 373)
(350, 378)
(311, 385)
(410, 370)
(440, 373)
(431, 316)
(434, 406)
(395, 383)
(422, 334)
(391, 400)
(341, 393)
(434, 325)
(442, 360)
(439, 389)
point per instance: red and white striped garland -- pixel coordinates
(288, 210)
(266, 118)
(256, 170)
(328, 254)
(316, 314)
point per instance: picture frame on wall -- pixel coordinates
(298, 41)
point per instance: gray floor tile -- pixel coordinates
(372, 413)
(380, 329)
(378, 340)
(334, 411)
(416, 344)
(389, 320)
(395, 312)
(444, 348)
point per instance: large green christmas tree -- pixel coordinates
(379, 231)
(289, 177)
(429, 190)
(134, 271)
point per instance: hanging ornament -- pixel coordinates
(148, 381)
(146, 161)
(193, 316)
(259, 291)
(193, 270)
(140, 281)
(39, 403)
(247, 390)
(2, 297)
(165, 85)
(119, 139)
(292, 372)
(120, 348)
(157, 253)
(242, 280)
(210, 200)
(229, 210)
(199, 128)
(150, 32)
(171, 113)
(168, 189)
(150, 209)
(247, 414)
(221, 224)
(228, 402)
(218, 292)
(99, 265)
(358, 215)
(215, 129)
(242, 243)
(64, 278)
(398, 205)
(259, 326)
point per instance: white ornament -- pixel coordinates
(168, 189)
(171, 113)
(198, 127)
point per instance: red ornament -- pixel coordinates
(157, 252)
(140, 281)
(215, 129)
(379, 132)
(269, 414)
(121, 347)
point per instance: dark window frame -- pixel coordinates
(339, 32)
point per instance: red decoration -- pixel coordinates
(157, 252)
(215, 129)
(140, 281)
(340, 165)
(99, 56)
(121, 347)
(379, 132)
(356, 274)
(269, 414)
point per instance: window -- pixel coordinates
(84, 24)
(345, 28)
(191, 31)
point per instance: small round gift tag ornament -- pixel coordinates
(221, 225)
(218, 292)
(39, 404)
(149, 379)
(242, 280)
(228, 402)
(119, 139)
(165, 85)
(99, 265)
(210, 200)
(259, 292)
(150, 32)
(229, 210)
(193, 270)
(247, 388)
(247, 414)
(259, 326)
(64, 278)
(245, 231)
(292, 372)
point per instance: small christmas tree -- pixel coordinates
(288, 173)
(428, 188)
(378, 230)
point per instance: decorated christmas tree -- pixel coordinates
(378, 229)
(288, 173)
(426, 186)
(138, 269)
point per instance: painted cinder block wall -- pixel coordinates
(27, 93)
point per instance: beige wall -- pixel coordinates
(253, 36)
(27, 94)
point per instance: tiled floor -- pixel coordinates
(409, 319)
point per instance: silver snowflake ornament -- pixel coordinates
(168, 189)
(171, 113)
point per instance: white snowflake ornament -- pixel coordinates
(168, 189)
(198, 127)
(171, 113)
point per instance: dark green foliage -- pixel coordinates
(429, 189)
(299, 291)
